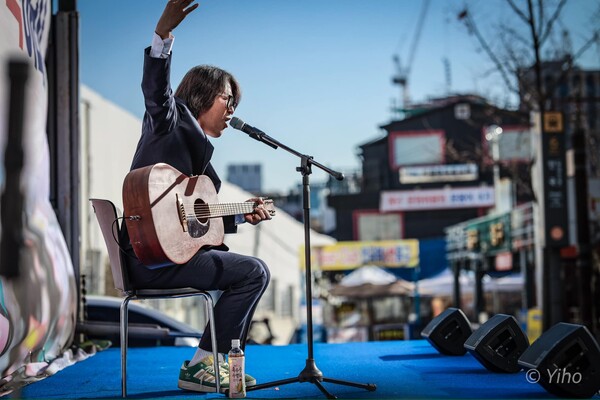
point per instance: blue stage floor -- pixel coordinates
(403, 369)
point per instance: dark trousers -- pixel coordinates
(242, 280)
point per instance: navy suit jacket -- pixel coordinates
(170, 133)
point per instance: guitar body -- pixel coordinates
(161, 212)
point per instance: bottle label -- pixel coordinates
(237, 377)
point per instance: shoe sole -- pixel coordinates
(197, 387)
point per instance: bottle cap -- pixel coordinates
(235, 342)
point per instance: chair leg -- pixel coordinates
(210, 317)
(124, 342)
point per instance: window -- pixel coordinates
(514, 144)
(287, 303)
(377, 226)
(416, 147)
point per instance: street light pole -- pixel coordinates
(492, 135)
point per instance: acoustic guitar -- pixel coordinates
(170, 215)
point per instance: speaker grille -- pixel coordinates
(498, 344)
(567, 358)
(448, 331)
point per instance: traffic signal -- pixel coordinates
(472, 239)
(497, 234)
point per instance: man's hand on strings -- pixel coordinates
(175, 11)
(259, 214)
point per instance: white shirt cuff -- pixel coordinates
(161, 48)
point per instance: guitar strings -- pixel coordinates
(205, 210)
(221, 209)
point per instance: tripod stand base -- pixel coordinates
(313, 375)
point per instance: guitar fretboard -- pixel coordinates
(222, 209)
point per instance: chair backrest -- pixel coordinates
(106, 214)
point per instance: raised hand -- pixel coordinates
(175, 11)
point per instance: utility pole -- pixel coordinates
(554, 200)
(584, 266)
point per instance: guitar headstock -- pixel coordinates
(269, 205)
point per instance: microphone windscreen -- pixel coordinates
(236, 123)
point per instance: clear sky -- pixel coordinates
(315, 74)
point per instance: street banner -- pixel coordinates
(351, 255)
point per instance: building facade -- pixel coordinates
(246, 176)
(576, 93)
(434, 169)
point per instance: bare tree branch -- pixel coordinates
(516, 51)
(514, 60)
(466, 16)
(595, 37)
(548, 28)
(541, 17)
(517, 36)
(518, 11)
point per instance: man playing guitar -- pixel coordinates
(176, 131)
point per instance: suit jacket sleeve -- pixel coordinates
(158, 94)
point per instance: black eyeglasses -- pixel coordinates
(230, 101)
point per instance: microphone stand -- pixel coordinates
(310, 373)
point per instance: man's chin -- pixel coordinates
(214, 134)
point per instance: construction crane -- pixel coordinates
(447, 74)
(403, 71)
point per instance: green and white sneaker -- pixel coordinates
(201, 377)
(250, 381)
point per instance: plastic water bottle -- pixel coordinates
(237, 373)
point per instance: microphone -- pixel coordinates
(240, 125)
(253, 132)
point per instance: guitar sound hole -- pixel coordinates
(202, 211)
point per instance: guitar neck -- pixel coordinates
(224, 209)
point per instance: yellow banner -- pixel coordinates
(534, 324)
(350, 255)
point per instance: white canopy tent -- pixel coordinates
(443, 283)
(368, 274)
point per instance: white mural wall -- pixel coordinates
(37, 309)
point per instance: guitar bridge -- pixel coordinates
(181, 212)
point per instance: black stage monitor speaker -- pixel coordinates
(448, 331)
(498, 344)
(565, 361)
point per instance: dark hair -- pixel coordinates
(202, 84)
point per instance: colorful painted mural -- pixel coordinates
(37, 309)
